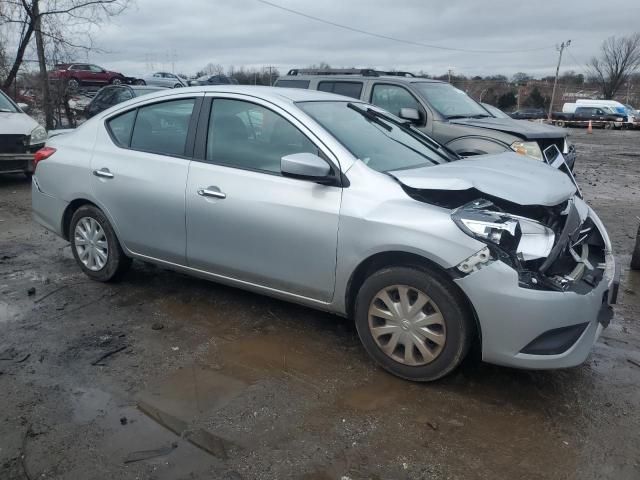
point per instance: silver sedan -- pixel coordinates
(162, 79)
(338, 205)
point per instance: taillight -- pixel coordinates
(42, 154)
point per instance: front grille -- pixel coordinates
(14, 143)
(547, 142)
(577, 261)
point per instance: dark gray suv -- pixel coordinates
(442, 111)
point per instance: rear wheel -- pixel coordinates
(73, 84)
(177, 85)
(413, 322)
(95, 246)
(140, 82)
(116, 81)
(560, 123)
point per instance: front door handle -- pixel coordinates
(211, 192)
(103, 172)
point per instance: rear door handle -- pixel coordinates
(103, 172)
(211, 192)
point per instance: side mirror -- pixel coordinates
(306, 166)
(24, 107)
(410, 114)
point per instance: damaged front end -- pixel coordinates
(562, 249)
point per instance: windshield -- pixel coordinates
(7, 105)
(379, 143)
(495, 111)
(449, 101)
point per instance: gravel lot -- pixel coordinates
(213, 382)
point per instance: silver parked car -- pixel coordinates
(162, 79)
(335, 204)
(20, 137)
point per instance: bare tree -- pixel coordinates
(619, 58)
(55, 24)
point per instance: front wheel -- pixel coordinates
(413, 322)
(177, 85)
(140, 82)
(116, 81)
(95, 246)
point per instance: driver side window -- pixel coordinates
(249, 136)
(393, 98)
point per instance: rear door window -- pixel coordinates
(348, 89)
(162, 127)
(292, 83)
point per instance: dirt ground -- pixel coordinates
(212, 382)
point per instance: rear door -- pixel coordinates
(140, 166)
(248, 222)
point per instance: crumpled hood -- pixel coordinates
(16, 123)
(509, 176)
(522, 128)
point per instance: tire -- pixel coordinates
(560, 124)
(73, 84)
(177, 85)
(94, 265)
(444, 302)
(140, 82)
(609, 126)
(115, 81)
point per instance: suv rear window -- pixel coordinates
(292, 83)
(348, 89)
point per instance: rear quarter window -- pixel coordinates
(120, 128)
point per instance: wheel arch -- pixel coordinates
(396, 258)
(73, 206)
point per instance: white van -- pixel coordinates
(616, 106)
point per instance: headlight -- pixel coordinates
(38, 135)
(521, 237)
(619, 119)
(531, 149)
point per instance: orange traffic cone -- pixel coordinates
(590, 127)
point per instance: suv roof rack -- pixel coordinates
(365, 72)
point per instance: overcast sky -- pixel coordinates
(246, 32)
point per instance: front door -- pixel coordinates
(247, 221)
(140, 173)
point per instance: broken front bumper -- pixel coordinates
(540, 328)
(512, 318)
(16, 162)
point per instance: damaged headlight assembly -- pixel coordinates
(531, 149)
(508, 237)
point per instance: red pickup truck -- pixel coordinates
(77, 74)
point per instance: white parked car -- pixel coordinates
(162, 79)
(20, 137)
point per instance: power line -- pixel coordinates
(393, 39)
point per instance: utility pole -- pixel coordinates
(449, 72)
(270, 67)
(628, 89)
(561, 48)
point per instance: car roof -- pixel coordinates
(275, 94)
(346, 78)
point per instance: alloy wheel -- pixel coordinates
(91, 244)
(407, 325)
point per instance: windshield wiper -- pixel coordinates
(6, 110)
(370, 115)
